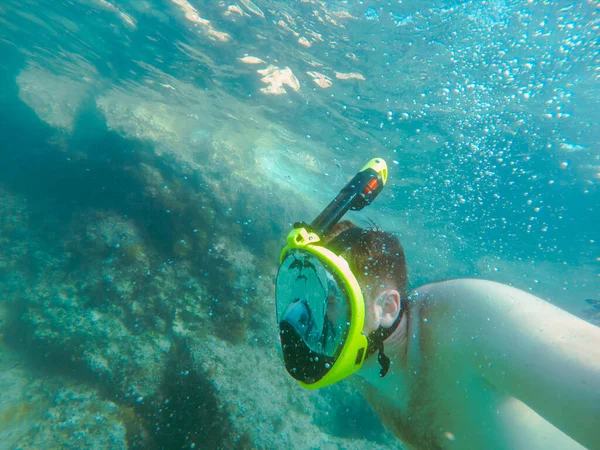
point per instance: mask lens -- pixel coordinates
(312, 301)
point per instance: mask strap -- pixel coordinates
(375, 340)
(342, 242)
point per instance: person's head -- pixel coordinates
(377, 260)
(324, 335)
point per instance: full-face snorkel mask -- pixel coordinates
(320, 305)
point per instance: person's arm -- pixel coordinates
(526, 347)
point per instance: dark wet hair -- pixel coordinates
(375, 256)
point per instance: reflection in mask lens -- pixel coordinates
(312, 302)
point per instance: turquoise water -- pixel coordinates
(153, 155)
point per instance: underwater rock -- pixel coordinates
(39, 408)
(76, 418)
(265, 407)
(98, 318)
(121, 322)
(252, 151)
(56, 98)
(37, 411)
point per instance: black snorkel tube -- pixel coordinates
(359, 192)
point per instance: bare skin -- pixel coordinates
(481, 365)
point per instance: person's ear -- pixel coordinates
(388, 305)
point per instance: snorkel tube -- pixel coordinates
(358, 193)
(314, 370)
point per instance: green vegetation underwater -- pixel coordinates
(155, 153)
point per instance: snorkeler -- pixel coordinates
(465, 364)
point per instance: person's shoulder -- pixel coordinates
(457, 283)
(462, 294)
(458, 287)
(447, 288)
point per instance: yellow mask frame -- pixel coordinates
(354, 348)
(359, 192)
